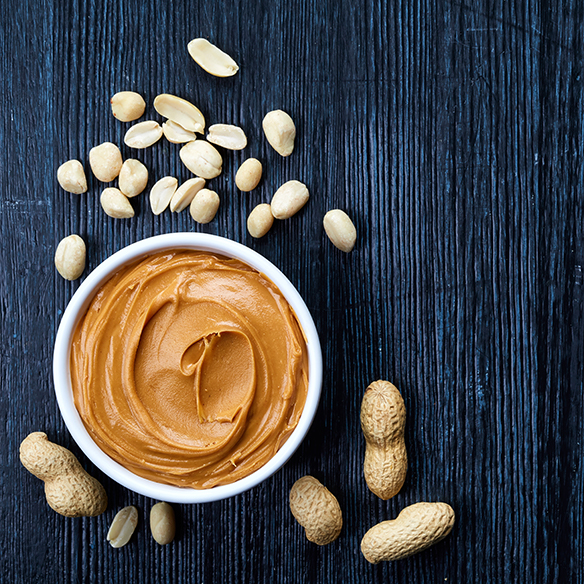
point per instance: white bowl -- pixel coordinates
(76, 309)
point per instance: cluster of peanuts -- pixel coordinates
(416, 528)
(72, 492)
(183, 122)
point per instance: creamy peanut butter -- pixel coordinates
(189, 369)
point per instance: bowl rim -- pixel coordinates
(76, 309)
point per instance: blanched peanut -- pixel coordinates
(123, 526)
(162, 523)
(289, 199)
(260, 220)
(227, 136)
(127, 106)
(176, 134)
(212, 59)
(280, 131)
(249, 175)
(71, 177)
(133, 177)
(143, 135)
(162, 193)
(340, 230)
(70, 257)
(116, 204)
(202, 159)
(204, 206)
(185, 194)
(180, 111)
(105, 161)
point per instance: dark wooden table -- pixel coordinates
(452, 133)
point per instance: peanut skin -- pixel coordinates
(316, 509)
(415, 529)
(70, 491)
(383, 418)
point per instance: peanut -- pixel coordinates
(415, 529)
(176, 134)
(70, 257)
(383, 419)
(289, 199)
(185, 194)
(127, 106)
(204, 206)
(71, 177)
(227, 136)
(202, 159)
(249, 175)
(133, 178)
(316, 509)
(116, 204)
(280, 131)
(212, 59)
(180, 111)
(70, 491)
(123, 526)
(105, 161)
(340, 230)
(260, 220)
(143, 134)
(162, 193)
(162, 523)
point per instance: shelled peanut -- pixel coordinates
(70, 257)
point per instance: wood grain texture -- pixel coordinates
(452, 133)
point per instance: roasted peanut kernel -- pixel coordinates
(340, 230)
(204, 206)
(289, 199)
(123, 526)
(133, 177)
(249, 175)
(71, 177)
(162, 523)
(70, 257)
(116, 204)
(176, 134)
(180, 111)
(105, 161)
(202, 159)
(280, 131)
(226, 136)
(260, 220)
(127, 106)
(185, 194)
(212, 59)
(162, 193)
(143, 134)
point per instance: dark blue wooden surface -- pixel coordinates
(452, 132)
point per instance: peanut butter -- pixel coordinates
(189, 369)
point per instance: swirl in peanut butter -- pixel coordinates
(189, 369)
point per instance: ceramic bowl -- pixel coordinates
(77, 308)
